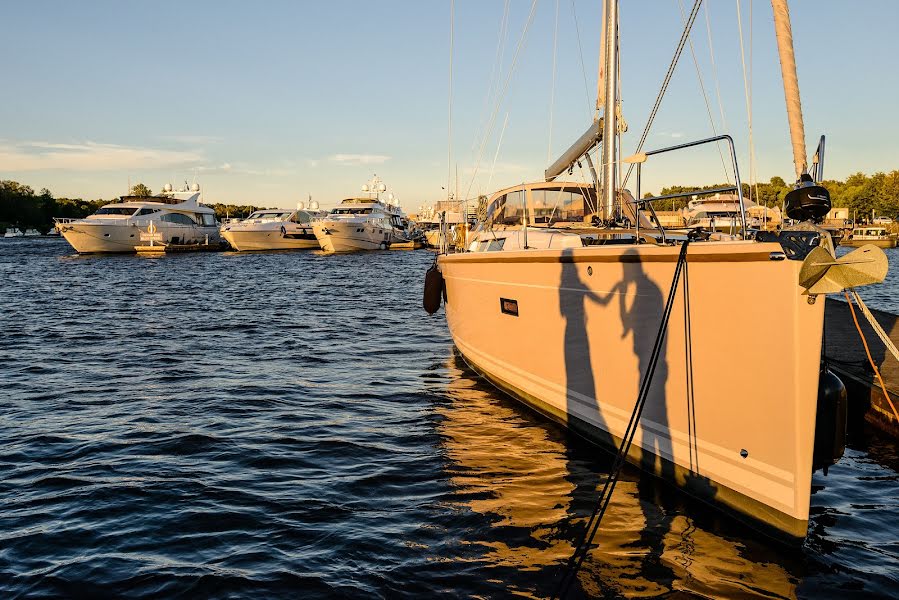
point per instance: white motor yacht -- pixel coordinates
(363, 223)
(177, 217)
(720, 212)
(13, 232)
(32, 232)
(275, 229)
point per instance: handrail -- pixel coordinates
(737, 187)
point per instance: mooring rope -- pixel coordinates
(583, 547)
(883, 337)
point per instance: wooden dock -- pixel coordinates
(846, 357)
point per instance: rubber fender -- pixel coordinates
(434, 289)
(830, 421)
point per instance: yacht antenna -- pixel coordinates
(609, 126)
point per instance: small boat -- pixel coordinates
(452, 215)
(877, 236)
(173, 217)
(13, 232)
(365, 223)
(32, 232)
(275, 229)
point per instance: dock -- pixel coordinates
(846, 357)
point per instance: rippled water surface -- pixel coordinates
(294, 425)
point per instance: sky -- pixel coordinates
(268, 103)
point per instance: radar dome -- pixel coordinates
(313, 205)
(195, 187)
(167, 187)
(365, 188)
(382, 188)
(301, 205)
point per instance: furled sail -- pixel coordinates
(784, 33)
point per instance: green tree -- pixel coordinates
(141, 191)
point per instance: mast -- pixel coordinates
(610, 126)
(784, 33)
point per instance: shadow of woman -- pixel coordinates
(641, 304)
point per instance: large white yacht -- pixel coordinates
(363, 223)
(275, 229)
(173, 217)
(13, 232)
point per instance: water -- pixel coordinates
(293, 425)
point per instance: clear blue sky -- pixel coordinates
(267, 102)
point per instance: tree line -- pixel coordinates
(859, 192)
(21, 207)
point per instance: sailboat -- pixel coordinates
(581, 310)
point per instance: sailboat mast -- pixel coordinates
(784, 33)
(610, 126)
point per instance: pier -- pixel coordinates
(846, 356)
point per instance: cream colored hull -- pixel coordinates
(334, 236)
(587, 320)
(267, 240)
(88, 238)
(879, 242)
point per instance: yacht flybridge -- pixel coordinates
(173, 217)
(364, 223)
(571, 298)
(275, 229)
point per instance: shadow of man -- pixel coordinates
(641, 304)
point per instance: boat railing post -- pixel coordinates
(637, 204)
(739, 186)
(524, 214)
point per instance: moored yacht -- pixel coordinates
(448, 213)
(571, 301)
(173, 217)
(13, 232)
(364, 223)
(275, 229)
(878, 236)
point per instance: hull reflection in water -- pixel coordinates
(538, 488)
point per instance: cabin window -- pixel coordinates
(116, 210)
(178, 218)
(301, 217)
(556, 205)
(507, 210)
(208, 220)
(146, 211)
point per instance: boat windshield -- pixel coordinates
(548, 206)
(351, 211)
(116, 210)
(269, 215)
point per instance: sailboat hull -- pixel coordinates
(730, 416)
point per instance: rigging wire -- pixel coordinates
(449, 146)
(747, 87)
(708, 28)
(580, 53)
(498, 146)
(665, 82)
(493, 86)
(552, 88)
(705, 97)
(502, 95)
